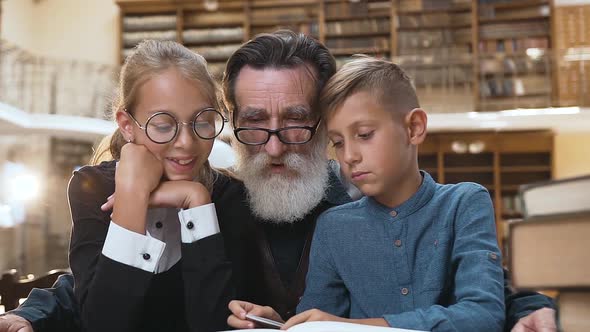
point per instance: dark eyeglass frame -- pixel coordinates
(277, 132)
(178, 123)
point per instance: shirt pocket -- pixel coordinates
(433, 265)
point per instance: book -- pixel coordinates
(556, 196)
(550, 252)
(574, 311)
(335, 327)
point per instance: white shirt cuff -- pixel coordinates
(133, 249)
(198, 223)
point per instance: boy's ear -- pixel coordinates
(416, 121)
(125, 124)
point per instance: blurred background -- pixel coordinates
(506, 85)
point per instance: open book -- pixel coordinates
(335, 327)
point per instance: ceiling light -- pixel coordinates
(211, 5)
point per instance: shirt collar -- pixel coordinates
(413, 204)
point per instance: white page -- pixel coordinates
(334, 327)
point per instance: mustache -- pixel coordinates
(291, 160)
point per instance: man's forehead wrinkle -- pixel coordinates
(269, 88)
(297, 81)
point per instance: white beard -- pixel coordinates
(284, 198)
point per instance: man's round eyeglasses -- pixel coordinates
(287, 135)
(162, 127)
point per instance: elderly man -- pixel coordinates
(271, 85)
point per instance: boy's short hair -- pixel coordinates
(386, 80)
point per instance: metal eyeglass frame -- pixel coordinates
(178, 123)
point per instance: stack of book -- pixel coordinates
(548, 248)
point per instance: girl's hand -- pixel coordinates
(139, 170)
(138, 173)
(239, 309)
(175, 194)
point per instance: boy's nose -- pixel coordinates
(351, 155)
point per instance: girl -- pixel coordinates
(152, 257)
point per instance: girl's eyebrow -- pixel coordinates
(195, 112)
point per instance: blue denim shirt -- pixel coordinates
(431, 263)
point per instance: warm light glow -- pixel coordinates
(6, 219)
(476, 147)
(459, 147)
(24, 187)
(535, 53)
(211, 5)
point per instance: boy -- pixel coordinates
(412, 253)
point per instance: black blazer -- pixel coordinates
(191, 296)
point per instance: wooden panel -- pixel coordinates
(488, 139)
(430, 144)
(525, 142)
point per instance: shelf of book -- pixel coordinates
(356, 16)
(514, 39)
(491, 50)
(500, 161)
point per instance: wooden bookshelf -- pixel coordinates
(433, 43)
(350, 28)
(571, 73)
(499, 161)
(297, 15)
(463, 55)
(514, 64)
(212, 32)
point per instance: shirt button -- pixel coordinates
(398, 243)
(190, 225)
(146, 256)
(159, 224)
(493, 256)
(393, 214)
(405, 291)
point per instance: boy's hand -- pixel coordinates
(312, 315)
(239, 309)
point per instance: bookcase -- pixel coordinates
(296, 15)
(214, 34)
(463, 55)
(433, 41)
(499, 161)
(514, 63)
(356, 27)
(572, 69)
(214, 29)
